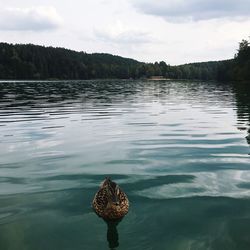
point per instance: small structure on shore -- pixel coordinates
(157, 78)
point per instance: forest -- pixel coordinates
(33, 62)
(236, 69)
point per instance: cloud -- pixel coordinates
(119, 34)
(34, 19)
(194, 10)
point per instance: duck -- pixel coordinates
(110, 202)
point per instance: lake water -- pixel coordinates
(178, 149)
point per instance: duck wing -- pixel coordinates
(100, 201)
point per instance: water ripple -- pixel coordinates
(138, 129)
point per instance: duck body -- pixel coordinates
(110, 202)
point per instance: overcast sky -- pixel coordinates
(175, 31)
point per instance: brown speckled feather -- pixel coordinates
(107, 209)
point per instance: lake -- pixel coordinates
(177, 148)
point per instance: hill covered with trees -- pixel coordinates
(237, 69)
(33, 62)
(38, 62)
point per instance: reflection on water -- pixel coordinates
(112, 234)
(178, 149)
(242, 92)
(248, 137)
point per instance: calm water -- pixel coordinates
(178, 149)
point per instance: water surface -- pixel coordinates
(178, 149)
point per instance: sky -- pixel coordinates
(174, 31)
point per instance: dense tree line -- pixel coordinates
(39, 62)
(201, 71)
(227, 70)
(239, 69)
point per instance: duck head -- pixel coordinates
(112, 191)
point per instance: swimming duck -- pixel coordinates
(110, 202)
